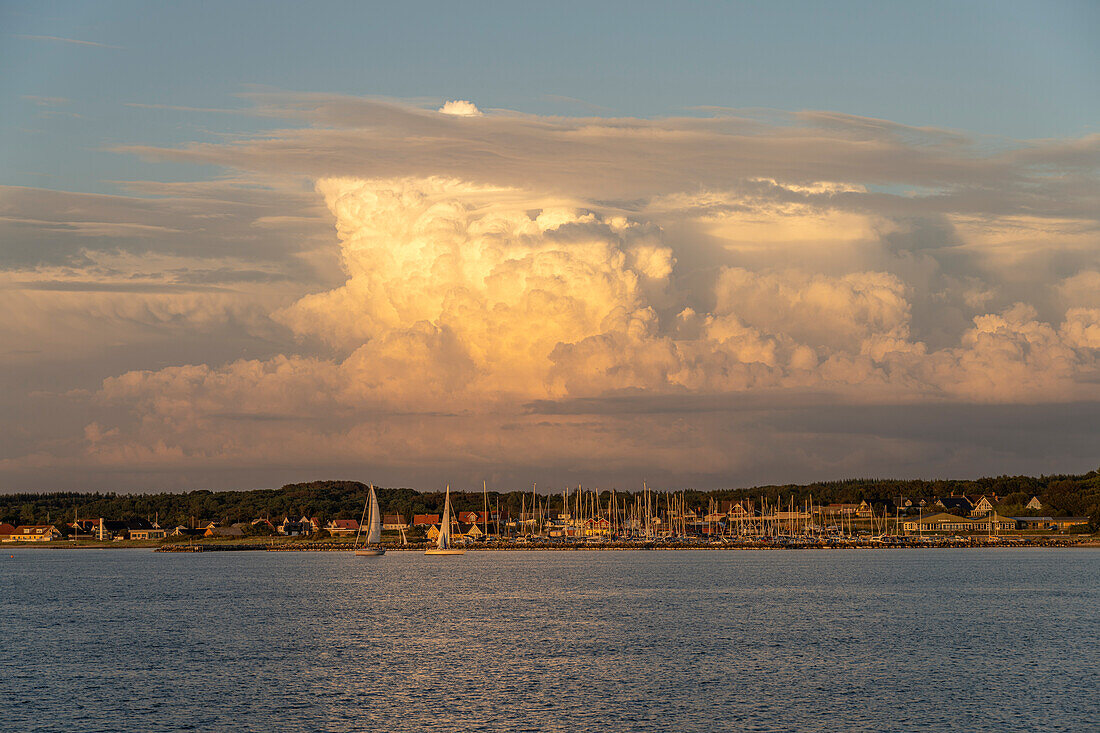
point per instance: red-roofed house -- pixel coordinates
(425, 520)
(394, 521)
(6, 531)
(342, 527)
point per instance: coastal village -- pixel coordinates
(589, 517)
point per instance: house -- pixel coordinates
(289, 528)
(263, 524)
(342, 527)
(463, 531)
(85, 528)
(468, 517)
(310, 525)
(735, 510)
(1034, 505)
(6, 531)
(981, 506)
(394, 521)
(425, 520)
(35, 533)
(597, 527)
(841, 510)
(958, 504)
(488, 517)
(153, 533)
(460, 532)
(185, 531)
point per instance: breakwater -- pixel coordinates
(886, 543)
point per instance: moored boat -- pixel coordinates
(443, 545)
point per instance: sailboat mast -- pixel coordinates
(485, 503)
(363, 518)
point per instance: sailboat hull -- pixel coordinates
(437, 551)
(367, 552)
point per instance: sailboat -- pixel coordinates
(443, 544)
(373, 545)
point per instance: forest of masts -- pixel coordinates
(651, 515)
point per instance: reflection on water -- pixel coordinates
(546, 641)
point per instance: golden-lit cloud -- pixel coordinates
(516, 294)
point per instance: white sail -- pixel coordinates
(374, 533)
(444, 542)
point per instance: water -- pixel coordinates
(929, 640)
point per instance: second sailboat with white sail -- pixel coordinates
(373, 546)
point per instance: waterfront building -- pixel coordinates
(35, 533)
(1049, 524)
(943, 522)
(1063, 524)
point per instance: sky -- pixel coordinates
(422, 244)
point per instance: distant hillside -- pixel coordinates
(1061, 495)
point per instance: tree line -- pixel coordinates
(1061, 495)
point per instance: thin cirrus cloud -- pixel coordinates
(595, 298)
(72, 41)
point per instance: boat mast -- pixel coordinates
(485, 502)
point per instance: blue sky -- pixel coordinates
(1016, 69)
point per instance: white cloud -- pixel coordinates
(460, 108)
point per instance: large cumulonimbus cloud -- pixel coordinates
(694, 299)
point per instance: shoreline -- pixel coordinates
(893, 543)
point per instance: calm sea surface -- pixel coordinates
(930, 640)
